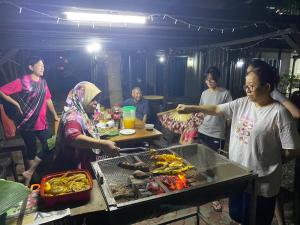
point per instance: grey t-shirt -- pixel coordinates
(214, 126)
(257, 138)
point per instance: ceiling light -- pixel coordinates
(190, 61)
(240, 63)
(93, 47)
(161, 59)
(104, 18)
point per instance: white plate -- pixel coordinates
(127, 131)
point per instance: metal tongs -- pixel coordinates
(133, 150)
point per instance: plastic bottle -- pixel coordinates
(117, 117)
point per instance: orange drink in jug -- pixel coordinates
(128, 117)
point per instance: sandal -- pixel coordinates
(217, 206)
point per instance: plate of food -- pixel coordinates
(127, 131)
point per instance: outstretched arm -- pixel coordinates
(84, 142)
(213, 110)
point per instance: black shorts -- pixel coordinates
(213, 143)
(239, 206)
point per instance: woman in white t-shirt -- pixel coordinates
(262, 131)
(295, 111)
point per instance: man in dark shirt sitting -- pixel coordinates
(137, 100)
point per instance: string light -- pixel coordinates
(163, 16)
(221, 29)
(243, 48)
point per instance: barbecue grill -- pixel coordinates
(219, 178)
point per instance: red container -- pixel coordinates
(80, 196)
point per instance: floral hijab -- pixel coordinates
(77, 101)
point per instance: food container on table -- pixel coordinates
(149, 126)
(80, 196)
(128, 116)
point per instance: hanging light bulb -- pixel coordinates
(240, 63)
(161, 59)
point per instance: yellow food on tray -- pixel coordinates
(66, 184)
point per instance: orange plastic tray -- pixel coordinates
(81, 196)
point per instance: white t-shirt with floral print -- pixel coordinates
(257, 137)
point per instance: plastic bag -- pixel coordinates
(9, 127)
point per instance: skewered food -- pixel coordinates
(169, 164)
(138, 174)
(134, 166)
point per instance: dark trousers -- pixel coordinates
(213, 143)
(30, 143)
(239, 206)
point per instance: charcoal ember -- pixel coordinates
(153, 187)
(138, 174)
(168, 180)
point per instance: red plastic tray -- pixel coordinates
(81, 196)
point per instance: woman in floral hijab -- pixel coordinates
(78, 141)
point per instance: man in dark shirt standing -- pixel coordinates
(137, 100)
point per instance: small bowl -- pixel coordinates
(149, 126)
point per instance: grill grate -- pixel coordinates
(212, 168)
(117, 175)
